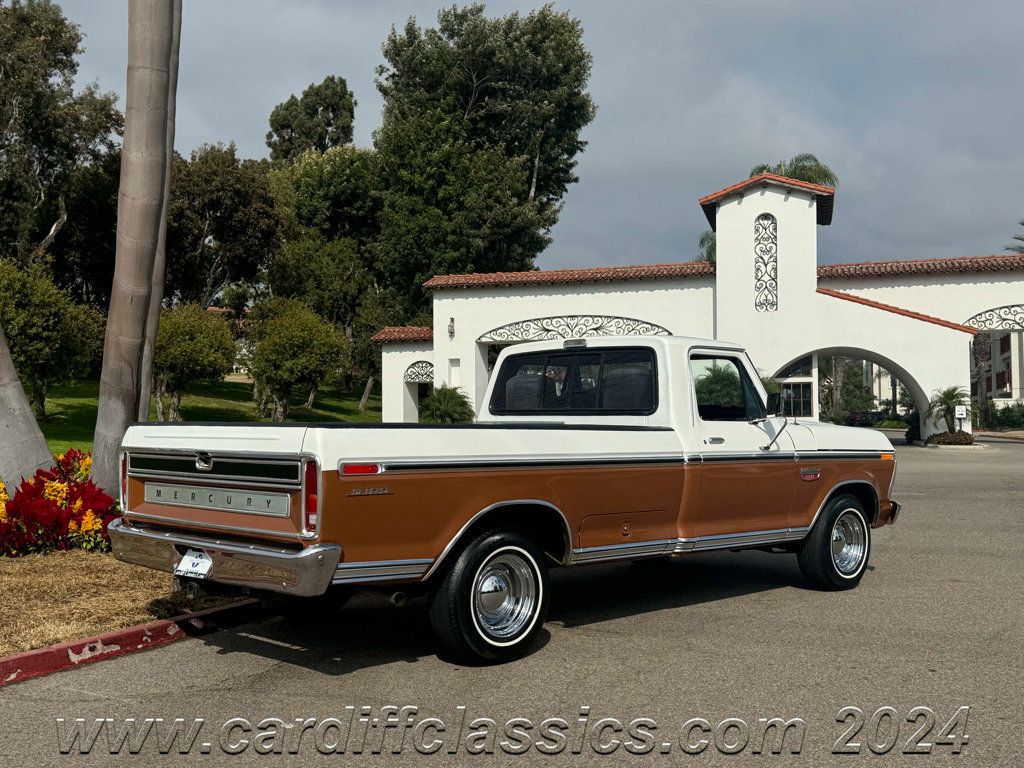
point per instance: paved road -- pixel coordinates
(937, 622)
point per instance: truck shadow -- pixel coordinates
(370, 632)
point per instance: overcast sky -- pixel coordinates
(917, 106)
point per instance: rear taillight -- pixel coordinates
(124, 482)
(311, 489)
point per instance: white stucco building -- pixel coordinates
(924, 321)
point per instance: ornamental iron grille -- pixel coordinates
(420, 372)
(766, 263)
(572, 327)
(1007, 318)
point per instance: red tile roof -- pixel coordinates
(404, 333)
(824, 195)
(896, 310)
(571, 276)
(996, 263)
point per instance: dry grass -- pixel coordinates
(47, 599)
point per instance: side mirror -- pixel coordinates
(774, 403)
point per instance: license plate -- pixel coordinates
(195, 564)
(226, 499)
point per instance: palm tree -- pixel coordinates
(706, 247)
(446, 405)
(156, 298)
(1017, 247)
(943, 405)
(139, 205)
(802, 167)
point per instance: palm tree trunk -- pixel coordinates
(156, 298)
(139, 205)
(22, 445)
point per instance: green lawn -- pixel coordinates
(71, 410)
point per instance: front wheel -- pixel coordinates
(491, 604)
(835, 553)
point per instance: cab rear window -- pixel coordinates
(601, 381)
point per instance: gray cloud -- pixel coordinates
(916, 105)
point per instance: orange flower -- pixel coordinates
(90, 522)
(56, 491)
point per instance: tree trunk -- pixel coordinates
(38, 398)
(280, 408)
(139, 204)
(156, 298)
(366, 393)
(159, 397)
(23, 448)
(174, 414)
(311, 400)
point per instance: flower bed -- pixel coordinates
(56, 509)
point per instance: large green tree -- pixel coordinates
(222, 223)
(47, 129)
(336, 193)
(318, 119)
(451, 208)
(802, 167)
(327, 275)
(481, 131)
(515, 82)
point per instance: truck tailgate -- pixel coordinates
(241, 481)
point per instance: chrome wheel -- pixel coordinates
(505, 594)
(849, 542)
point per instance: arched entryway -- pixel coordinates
(802, 375)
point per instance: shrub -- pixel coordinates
(446, 405)
(191, 345)
(951, 438)
(292, 346)
(52, 339)
(59, 508)
(891, 424)
(943, 404)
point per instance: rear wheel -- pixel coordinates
(835, 553)
(492, 602)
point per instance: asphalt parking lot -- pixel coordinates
(937, 623)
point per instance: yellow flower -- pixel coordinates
(56, 492)
(77, 506)
(72, 526)
(3, 501)
(90, 522)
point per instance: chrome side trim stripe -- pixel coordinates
(683, 545)
(744, 539)
(380, 570)
(620, 551)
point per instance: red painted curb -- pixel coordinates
(44, 661)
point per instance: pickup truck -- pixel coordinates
(584, 451)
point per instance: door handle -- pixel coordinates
(716, 440)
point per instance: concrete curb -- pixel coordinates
(975, 447)
(44, 661)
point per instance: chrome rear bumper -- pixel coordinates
(305, 572)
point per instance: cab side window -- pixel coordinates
(723, 389)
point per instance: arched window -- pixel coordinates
(766, 263)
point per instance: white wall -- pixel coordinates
(923, 355)
(684, 306)
(955, 297)
(398, 403)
